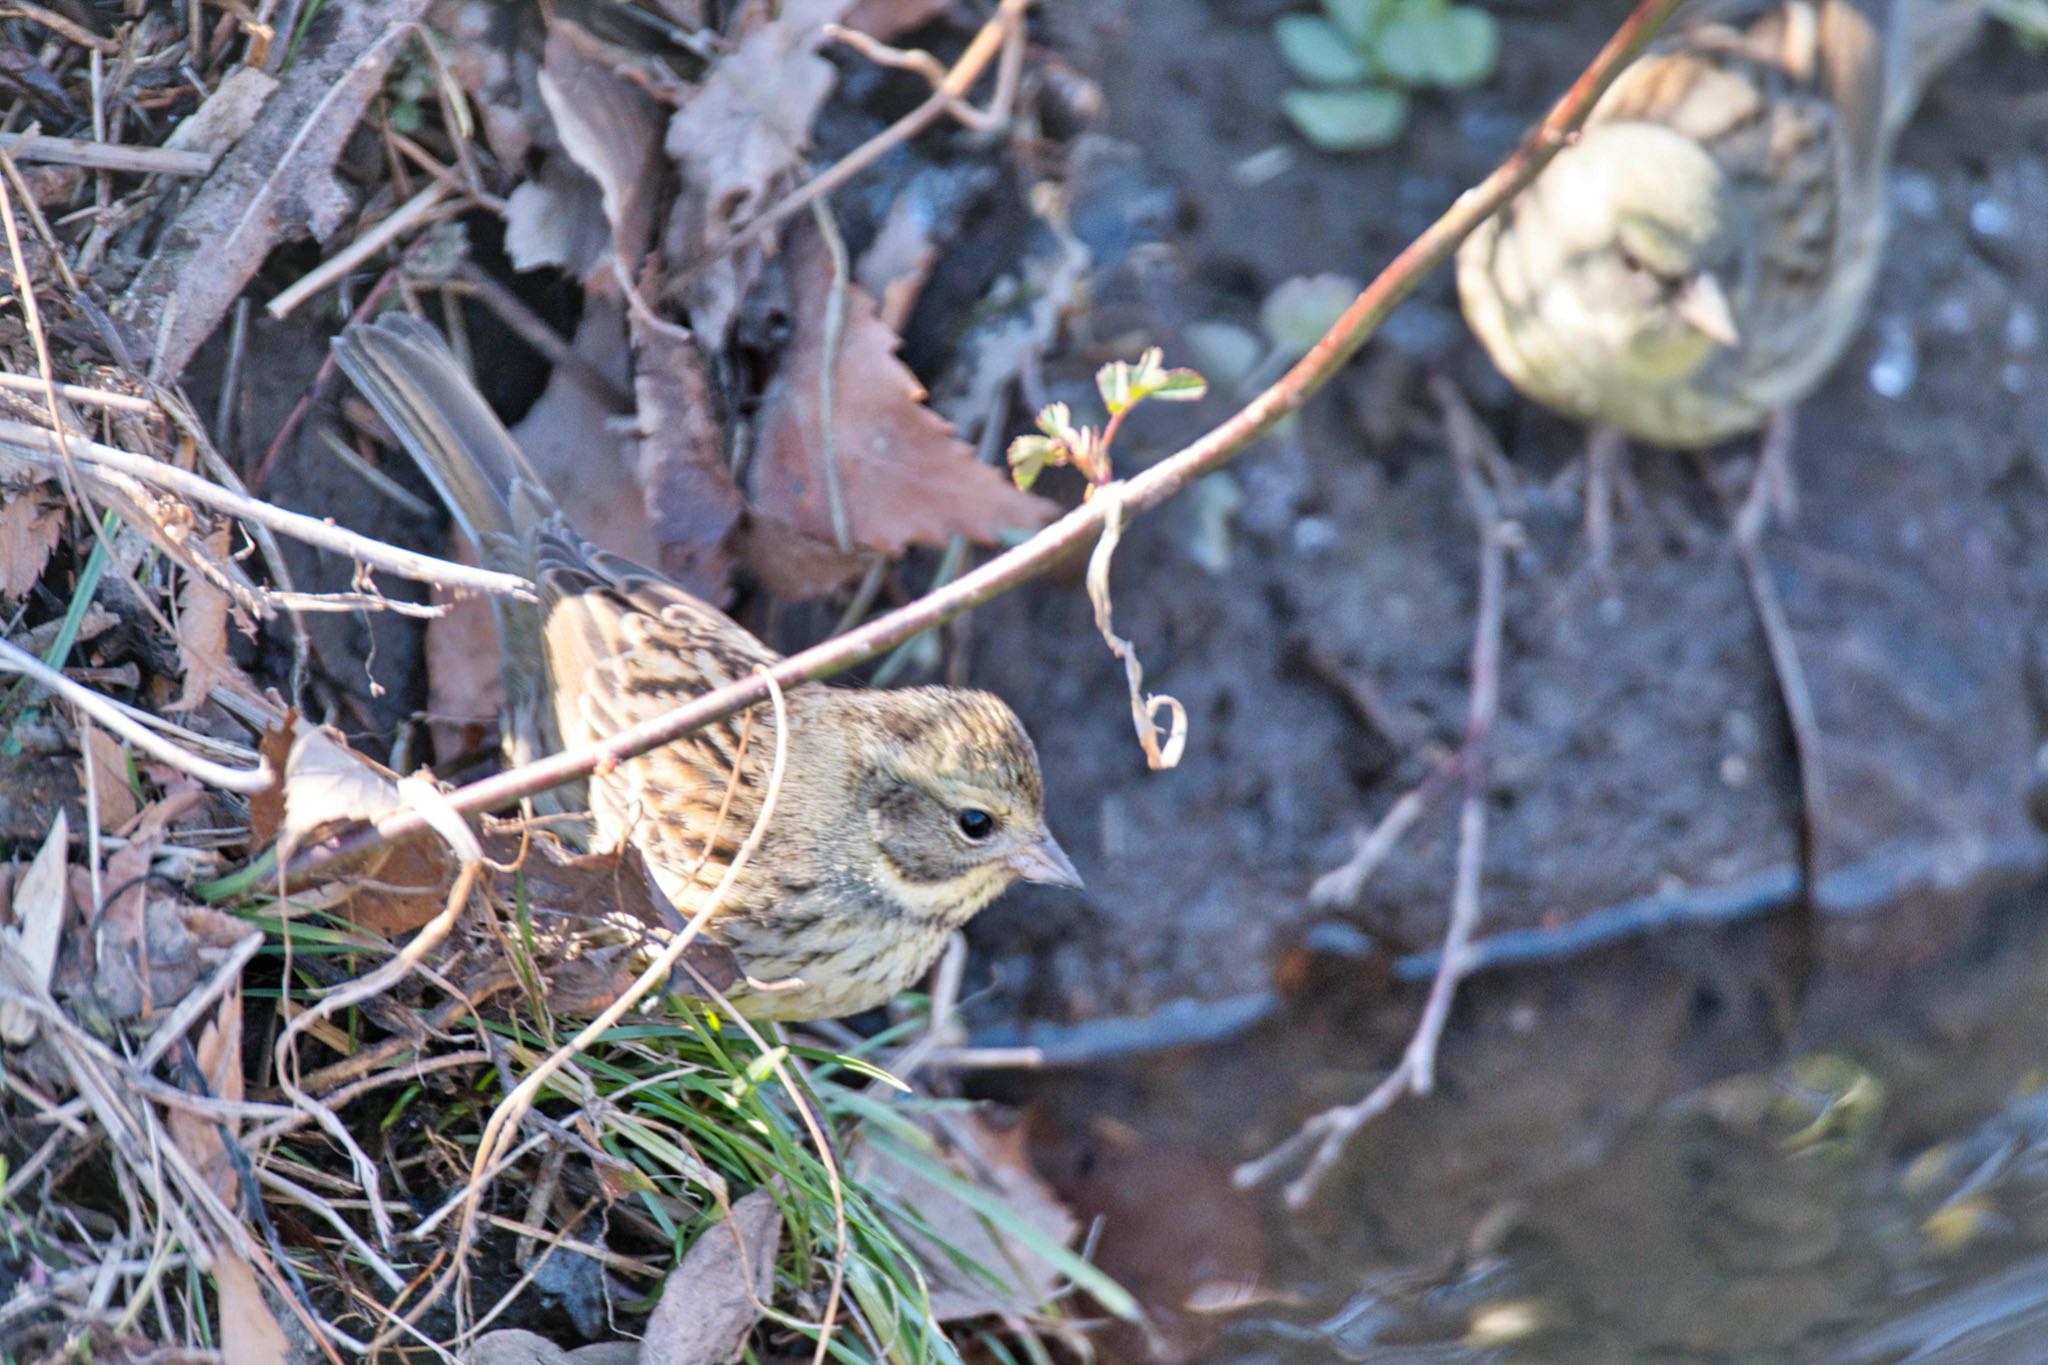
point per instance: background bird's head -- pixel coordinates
(1653, 247)
(955, 802)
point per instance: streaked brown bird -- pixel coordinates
(1696, 262)
(900, 813)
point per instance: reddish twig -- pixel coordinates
(1330, 1131)
(1081, 526)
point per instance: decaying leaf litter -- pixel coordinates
(192, 1157)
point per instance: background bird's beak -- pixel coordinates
(1046, 862)
(1704, 304)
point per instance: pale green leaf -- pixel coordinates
(1359, 20)
(1029, 456)
(1224, 349)
(1470, 48)
(1347, 120)
(1318, 51)
(1299, 311)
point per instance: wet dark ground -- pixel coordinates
(1755, 1144)
(1666, 1149)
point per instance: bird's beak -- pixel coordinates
(1045, 862)
(1704, 304)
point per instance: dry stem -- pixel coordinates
(1330, 1131)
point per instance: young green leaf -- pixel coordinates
(1125, 384)
(1319, 52)
(1348, 120)
(1029, 456)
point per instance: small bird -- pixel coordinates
(900, 813)
(1696, 262)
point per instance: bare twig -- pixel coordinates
(40, 447)
(1329, 1132)
(106, 156)
(1340, 887)
(1080, 527)
(412, 212)
(14, 660)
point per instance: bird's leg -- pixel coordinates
(1606, 477)
(1772, 490)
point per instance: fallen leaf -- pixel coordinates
(595, 921)
(1013, 1278)
(556, 219)
(198, 1136)
(326, 783)
(713, 1299)
(740, 141)
(610, 128)
(31, 523)
(38, 910)
(570, 437)
(223, 117)
(203, 611)
(465, 677)
(113, 797)
(745, 130)
(679, 458)
(515, 1346)
(905, 477)
(249, 1334)
(266, 808)
(121, 965)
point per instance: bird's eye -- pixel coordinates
(975, 824)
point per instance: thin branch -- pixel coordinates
(40, 448)
(1081, 526)
(1330, 1131)
(101, 709)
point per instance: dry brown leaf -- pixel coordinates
(203, 611)
(122, 967)
(611, 129)
(997, 1162)
(220, 1066)
(249, 1334)
(713, 1299)
(465, 679)
(595, 920)
(113, 797)
(556, 218)
(31, 523)
(569, 437)
(739, 142)
(905, 477)
(745, 130)
(266, 808)
(38, 927)
(679, 457)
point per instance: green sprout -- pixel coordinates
(1362, 57)
(1123, 385)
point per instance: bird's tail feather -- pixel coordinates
(420, 390)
